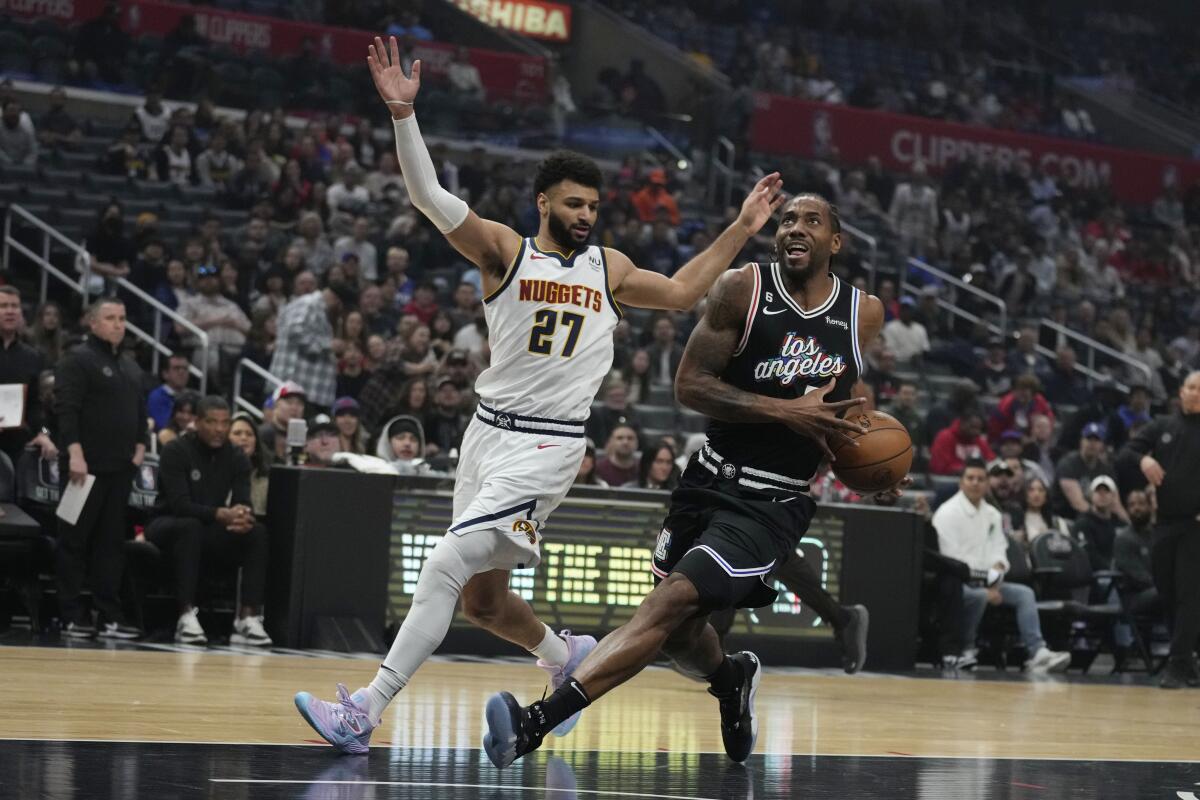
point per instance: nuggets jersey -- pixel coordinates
(550, 327)
(784, 352)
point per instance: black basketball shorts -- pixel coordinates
(727, 538)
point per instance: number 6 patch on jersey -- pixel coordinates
(663, 545)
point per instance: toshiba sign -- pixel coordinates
(534, 18)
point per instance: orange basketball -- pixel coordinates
(882, 458)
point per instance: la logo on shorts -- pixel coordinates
(526, 527)
(664, 543)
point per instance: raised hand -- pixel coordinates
(395, 88)
(763, 201)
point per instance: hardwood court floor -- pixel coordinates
(191, 697)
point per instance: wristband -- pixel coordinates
(397, 103)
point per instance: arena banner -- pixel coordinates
(506, 76)
(534, 18)
(814, 130)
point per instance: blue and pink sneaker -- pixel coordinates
(345, 724)
(578, 647)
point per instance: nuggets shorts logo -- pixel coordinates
(504, 421)
(664, 544)
(526, 527)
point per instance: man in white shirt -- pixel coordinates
(218, 316)
(368, 256)
(970, 530)
(904, 336)
(349, 196)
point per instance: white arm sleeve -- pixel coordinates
(445, 210)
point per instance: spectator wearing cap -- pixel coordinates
(287, 403)
(1065, 384)
(347, 417)
(1076, 472)
(321, 441)
(1097, 527)
(358, 244)
(1012, 448)
(304, 342)
(653, 197)
(961, 442)
(906, 337)
(203, 518)
(1005, 493)
(1131, 414)
(445, 422)
(218, 316)
(1017, 408)
(994, 374)
(971, 531)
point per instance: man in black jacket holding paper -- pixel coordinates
(101, 432)
(204, 516)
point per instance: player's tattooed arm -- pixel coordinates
(698, 384)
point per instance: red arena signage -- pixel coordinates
(533, 18)
(815, 130)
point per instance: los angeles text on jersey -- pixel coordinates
(799, 357)
(536, 290)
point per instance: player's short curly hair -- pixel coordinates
(835, 219)
(565, 165)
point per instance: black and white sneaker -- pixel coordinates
(79, 630)
(739, 726)
(512, 731)
(853, 638)
(119, 630)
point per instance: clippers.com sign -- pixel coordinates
(815, 130)
(531, 18)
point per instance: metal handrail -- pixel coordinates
(872, 244)
(1095, 346)
(959, 283)
(83, 257)
(720, 169)
(665, 143)
(272, 380)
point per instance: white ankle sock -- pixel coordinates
(386, 685)
(552, 649)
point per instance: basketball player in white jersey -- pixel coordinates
(551, 303)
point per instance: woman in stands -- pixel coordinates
(243, 433)
(183, 418)
(47, 335)
(657, 469)
(1038, 518)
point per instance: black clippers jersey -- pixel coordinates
(786, 352)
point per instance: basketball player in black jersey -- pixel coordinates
(772, 364)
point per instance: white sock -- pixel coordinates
(386, 685)
(552, 649)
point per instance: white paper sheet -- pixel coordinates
(73, 498)
(12, 405)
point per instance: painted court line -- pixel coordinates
(494, 786)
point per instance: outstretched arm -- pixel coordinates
(487, 244)
(647, 289)
(698, 384)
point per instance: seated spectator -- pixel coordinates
(352, 373)
(152, 117)
(1017, 408)
(904, 408)
(954, 446)
(1077, 471)
(587, 469)
(654, 196)
(348, 197)
(466, 84)
(357, 243)
(1039, 448)
(905, 337)
(216, 166)
(352, 437)
(243, 434)
(657, 469)
(445, 423)
(1065, 384)
(173, 160)
(182, 419)
(1011, 447)
(18, 140)
(637, 377)
(321, 441)
(1131, 554)
(203, 517)
(619, 465)
(1038, 518)
(1097, 527)
(1025, 359)
(128, 156)
(110, 249)
(1006, 490)
(665, 352)
(57, 128)
(416, 354)
(251, 182)
(995, 374)
(424, 303)
(970, 531)
(616, 411)
(315, 250)
(882, 379)
(287, 403)
(1133, 412)
(401, 443)
(218, 316)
